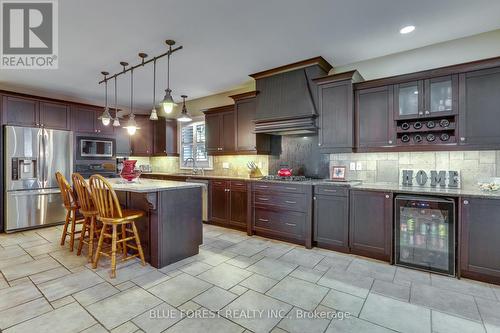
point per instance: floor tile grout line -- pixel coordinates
(25, 320)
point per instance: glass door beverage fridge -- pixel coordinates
(425, 233)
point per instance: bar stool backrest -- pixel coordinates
(82, 190)
(67, 194)
(104, 198)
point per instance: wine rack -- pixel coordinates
(429, 131)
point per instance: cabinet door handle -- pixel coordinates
(263, 220)
(263, 199)
(291, 188)
(290, 202)
(466, 202)
(262, 186)
(327, 190)
(291, 224)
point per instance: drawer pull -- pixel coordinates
(262, 186)
(291, 188)
(327, 190)
(291, 224)
(263, 220)
(290, 202)
(263, 199)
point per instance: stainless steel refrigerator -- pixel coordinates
(32, 157)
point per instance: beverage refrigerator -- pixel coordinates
(425, 233)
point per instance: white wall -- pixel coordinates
(482, 46)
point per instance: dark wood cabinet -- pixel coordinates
(165, 137)
(283, 211)
(229, 203)
(142, 141)
(370, 224)
(122, 139)
(479, 108)
(220, 130)
(55, 115)
(336, 112)
(247, 142)
(20, 111)
(374, 114)
(331, 218)
(480, 232)
(84, 119)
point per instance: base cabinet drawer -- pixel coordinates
(289, 201)
(281, 222)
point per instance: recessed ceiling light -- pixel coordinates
(407, 29)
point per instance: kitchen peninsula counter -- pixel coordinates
(171, 229)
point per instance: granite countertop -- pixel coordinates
(150, 185)
(459, 192)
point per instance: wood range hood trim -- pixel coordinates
(287, 100)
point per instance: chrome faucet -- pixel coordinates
(195, 170)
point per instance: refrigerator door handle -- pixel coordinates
(39, 161)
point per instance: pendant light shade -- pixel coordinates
(116, 122)
(154, 115)
(184, 117)
(105, 116)
(131, 125)
(168, 102)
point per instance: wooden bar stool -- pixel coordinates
(89, 212)
(112, 216)
(71, 205)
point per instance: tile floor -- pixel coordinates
(237, 283)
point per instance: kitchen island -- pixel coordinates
(171, 229)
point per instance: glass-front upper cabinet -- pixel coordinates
(426, 98)
(441, 95)
(408, 98)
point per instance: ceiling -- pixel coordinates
(225, 40)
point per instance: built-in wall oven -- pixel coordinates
(95, 148)
(425, 232)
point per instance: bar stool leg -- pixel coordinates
(99, 246)
(113, 251)
(65, 229)
(138, 243)
(82, 236)
(72, 235)
(91, 237)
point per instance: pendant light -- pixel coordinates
(105, 116)
(184, 114)
(168, 102)
(131, 123)
(116, 121)
(154, 115)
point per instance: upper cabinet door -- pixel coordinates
(55, 116)
(213, 132)
(244, 115)
(441, 96)
(84, 119)
(336, 117)
(228, 143)
(480, 108)
(122, 142)
(408, 100)
(374, 110)
(20, 111)
(142, 140)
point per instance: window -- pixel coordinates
(193, 146)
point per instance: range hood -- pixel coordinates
(288, 97)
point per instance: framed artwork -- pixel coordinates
(338, 172)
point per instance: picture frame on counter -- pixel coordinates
(338, 172)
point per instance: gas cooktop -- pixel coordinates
(286, 179)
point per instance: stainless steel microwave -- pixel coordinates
(95, 148)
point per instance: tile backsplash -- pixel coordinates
(237, 164)
(385, 167)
